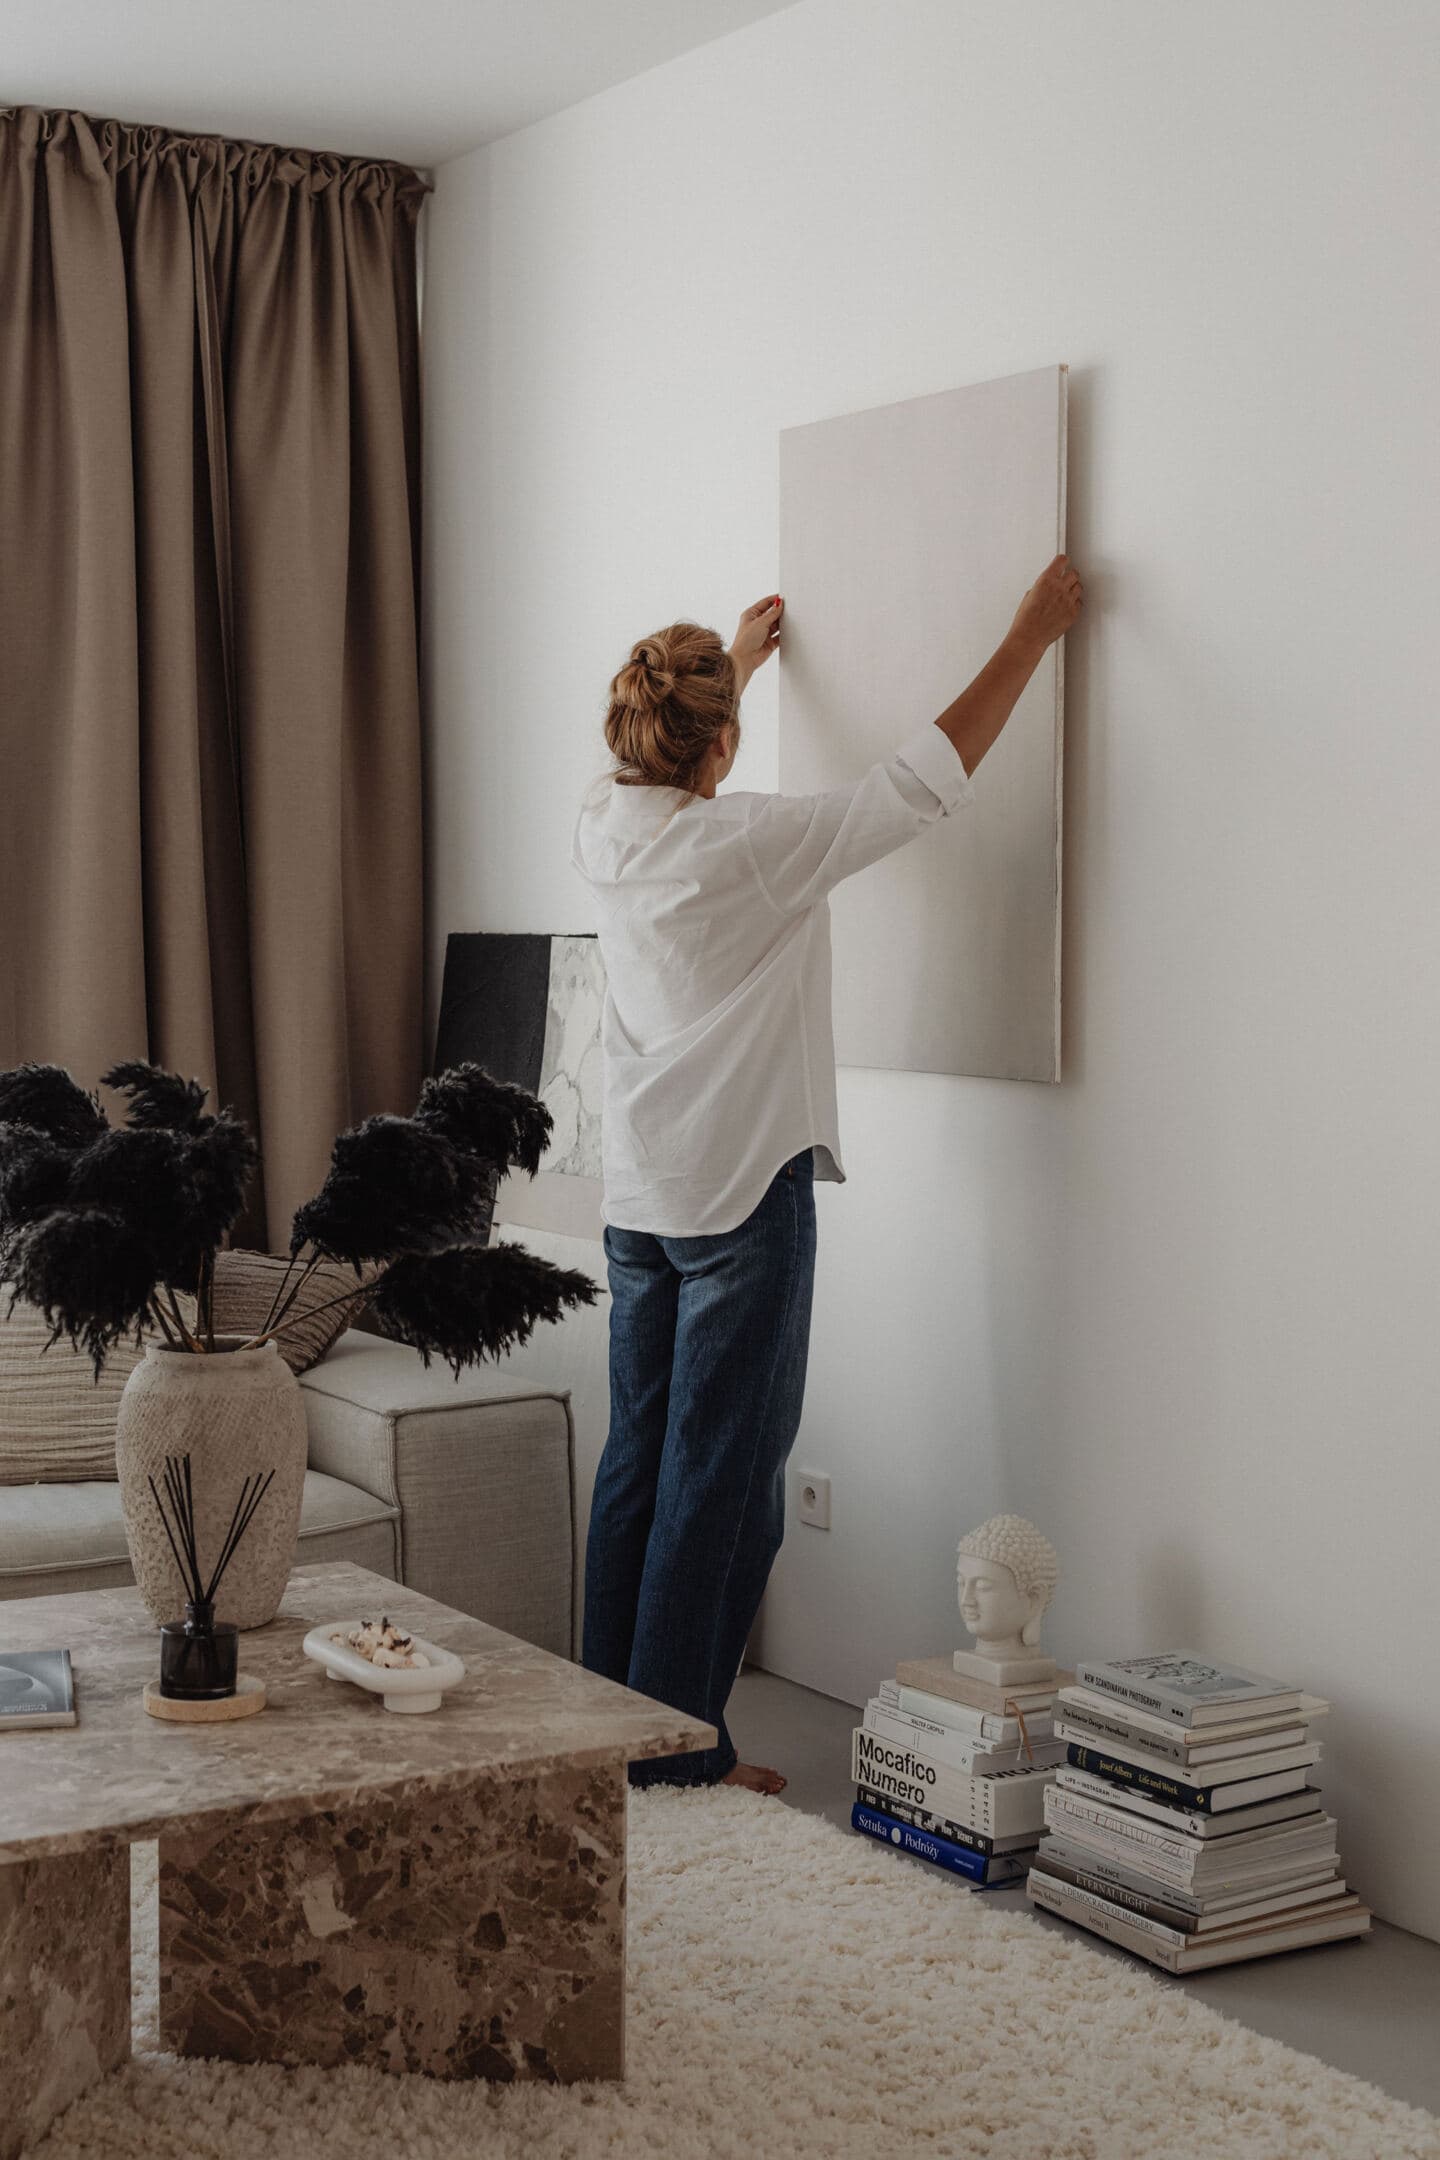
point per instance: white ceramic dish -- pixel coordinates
(403, 1687)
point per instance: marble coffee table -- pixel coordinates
(441, 1893)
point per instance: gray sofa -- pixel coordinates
(464, 1490)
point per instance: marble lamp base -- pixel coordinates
(479, 1933)
(1006, 1672)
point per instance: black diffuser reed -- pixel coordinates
(199, 1655)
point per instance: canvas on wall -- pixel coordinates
(908, 534)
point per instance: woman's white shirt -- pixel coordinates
(714, 926)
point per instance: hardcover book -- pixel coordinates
(1199, 1823)
(921, 1818)
(1001, 1805)
(960, 1751)
(1291, 1876)
(1194, 1862)
(1296, 1869)
(940, 1852)
(1285, 1931)
(1217, 1769)
(1105, 1900)
(962, 1718)
(1118, 1724)
(937, 1676)
(1199, 1889)
(1262, 1781)
(1155, 1901)
(36, 1689)
(1167, 1828)
(1190, 1690)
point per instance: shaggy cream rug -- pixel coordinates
(797, 1991)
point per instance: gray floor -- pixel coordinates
(1372, 2007)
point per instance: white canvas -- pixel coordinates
(908, 534)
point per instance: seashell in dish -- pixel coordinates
(383, 1645)
(408, 1672)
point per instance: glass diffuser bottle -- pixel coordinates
(199, 1655)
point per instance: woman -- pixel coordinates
(718, 1113)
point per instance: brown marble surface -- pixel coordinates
(475, 1934)
(518, 1712)
(64, 1984)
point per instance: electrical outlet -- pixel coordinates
(813, 1498)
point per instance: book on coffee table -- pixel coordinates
(36, 1688)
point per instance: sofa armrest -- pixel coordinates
(481, 1469)
(573, 1357)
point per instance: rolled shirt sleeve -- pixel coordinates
(803, 845)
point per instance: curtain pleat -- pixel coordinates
(209, 698)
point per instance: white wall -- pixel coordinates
(1182, 1309)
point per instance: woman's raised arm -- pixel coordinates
(1046, 613)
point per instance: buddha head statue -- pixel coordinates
(1006, 1575)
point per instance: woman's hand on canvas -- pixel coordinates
(757, 636)
(982, 709)
(1051, 605)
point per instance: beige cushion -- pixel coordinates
(57, 1422)
(55, 1538)
(245, 1287)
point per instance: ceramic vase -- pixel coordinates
(234, 1412)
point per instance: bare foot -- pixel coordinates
(754, 1779)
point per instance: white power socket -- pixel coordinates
(813, 1502)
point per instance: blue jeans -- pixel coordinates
(708, 1342)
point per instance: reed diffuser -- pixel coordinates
(199, 1655)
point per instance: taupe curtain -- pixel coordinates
(209, 547)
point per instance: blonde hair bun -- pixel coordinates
(645, 681)
(668, 704)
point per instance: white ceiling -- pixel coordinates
(420, 80)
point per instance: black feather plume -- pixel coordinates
(222, 1156)
(47, 1098)
(395, 1186)
(143, 1174)
(158, 1097)
(501, 1123)
(475, 1301)
(89, 1273)
(34, 1178)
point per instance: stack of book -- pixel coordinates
(954, 1772)
(1184, 1822)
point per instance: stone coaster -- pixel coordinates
(249, 1697)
